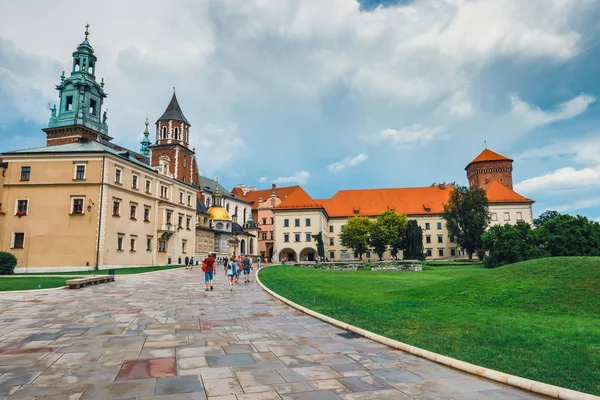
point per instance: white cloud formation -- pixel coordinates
(583, 150)
(562, 178)
(300, 178)
(578, 205)
(535, 116)
(347, 162)
(410, 136)
(263, 179)
(220, 148)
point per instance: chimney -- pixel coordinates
(442, 186)
(273, 187)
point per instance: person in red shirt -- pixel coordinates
(209, 271)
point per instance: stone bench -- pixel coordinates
(91, 280)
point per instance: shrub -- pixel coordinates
(8, 262)
(508, 244)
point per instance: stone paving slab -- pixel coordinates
(160, 336)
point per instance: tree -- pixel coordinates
(414, 241)
(8, 262)
(566, 235)
(355, 234)
(467, 217)
(388, 230)
(511, 243)
(379, 238)
(545, 217)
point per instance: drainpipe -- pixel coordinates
(100, 214)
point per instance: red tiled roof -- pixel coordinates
(498, 193)
(254, 195)
(488, 155)
(298, 199)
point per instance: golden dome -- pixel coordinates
(219, 213)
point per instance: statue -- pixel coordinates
(53, 109)
(104, 117)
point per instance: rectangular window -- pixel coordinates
(441, 252)
(180, 222)
(92, 106)
(453, 252)
(271, 235)
(118, 176)
(427, 226)
(69, 103)
(149, 243)
(22, 207)
(286, 223)
(308, 237)
(132, 211)
(264, 236)
(286, 237)
(494, 217)
(183, 245)
(188, 223)
(439, 225)
(180, 197)
(116, 206)
(297, 222)
(120, 242)
(134, 182)
(25, 173)
(18, 240)
(330, 228)
(162, 246)
(342, 227)
(296, 237)
(169, 215)
(132, 243)
(368, 254)
(147, 186)
(332, 255)
(80, 172)
(146, 214)
(429, 252)
(264, 221)
(519, 216)
(77, 205)
(189, 200)
(440, 239)
(451, 239)
(271, 221)
(164, 192)
(331, 241)
(427, 239)
(507, 216)
(307, 221)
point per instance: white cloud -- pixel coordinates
(347, 162)
(300, 178)
(534, 116)
(584, 150)
(263, 179)
(578, 205)
(563, 178)
(597, 220)
(411, 136)
(220, 148)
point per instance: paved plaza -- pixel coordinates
(161, 336)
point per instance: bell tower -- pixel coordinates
(172, 139)
(80, 101)
(487, 166)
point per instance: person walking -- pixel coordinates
(237, 270)
(230, 272)
(208, 266)
(258, 263)
(247, 264)
(192, 262)
(187, 262)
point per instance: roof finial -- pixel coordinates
(173, 89)
(87, 26)
(485, 143)
(217, 185)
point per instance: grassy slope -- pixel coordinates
(538, 319)
(8, 284)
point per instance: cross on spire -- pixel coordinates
(87, 27)
(485, 143)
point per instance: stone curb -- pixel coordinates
(512, 380)
(33, 290)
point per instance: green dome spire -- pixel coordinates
(145, 149)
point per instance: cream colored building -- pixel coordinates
(489, 170)
(83, 205)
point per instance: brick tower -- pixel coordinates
(172, 140)
(490, 165)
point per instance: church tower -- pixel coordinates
(79, 114)
(487, 166)
(172, 140)
(145, 148)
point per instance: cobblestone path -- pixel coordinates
(161, 336)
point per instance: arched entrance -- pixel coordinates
(287, 253)
(308, 254)
(243, 247)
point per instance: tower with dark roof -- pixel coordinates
(173, 140)
(488, 166)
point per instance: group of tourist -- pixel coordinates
(233, 269)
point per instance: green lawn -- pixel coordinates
(538, 319)
(118, 271)
(8, 284)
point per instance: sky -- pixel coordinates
(332, 94)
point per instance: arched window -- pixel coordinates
(176, 133)
(164, 132)
(244, 220)
(91, 68)
(236, 211)
(77, 65)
